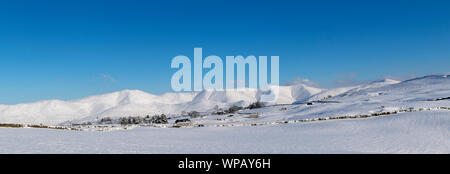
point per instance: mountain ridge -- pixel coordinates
(136, 102)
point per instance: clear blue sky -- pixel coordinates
(75, 48)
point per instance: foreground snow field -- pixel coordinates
(415, 132)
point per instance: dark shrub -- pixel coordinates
(194, 114)
(182, 121)
(233, 109)
(159, 119)
(131, 120)
(106, 120)
(256, 105)
(123, 120)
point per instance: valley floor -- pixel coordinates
(414, 132)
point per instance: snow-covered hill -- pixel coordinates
(328, 93)
(135, 102)
(365, 98)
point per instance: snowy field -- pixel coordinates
(425, 132)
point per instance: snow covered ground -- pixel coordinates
(386, 116)
(427, 132)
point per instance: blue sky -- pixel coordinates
(76, 48)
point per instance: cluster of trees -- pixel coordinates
(157, 119)
(161, 119)
(106, 120)
(234, 109)
(194, 114)
(256, 105)
(132, 120)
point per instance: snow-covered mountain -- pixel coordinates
(135, 102)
